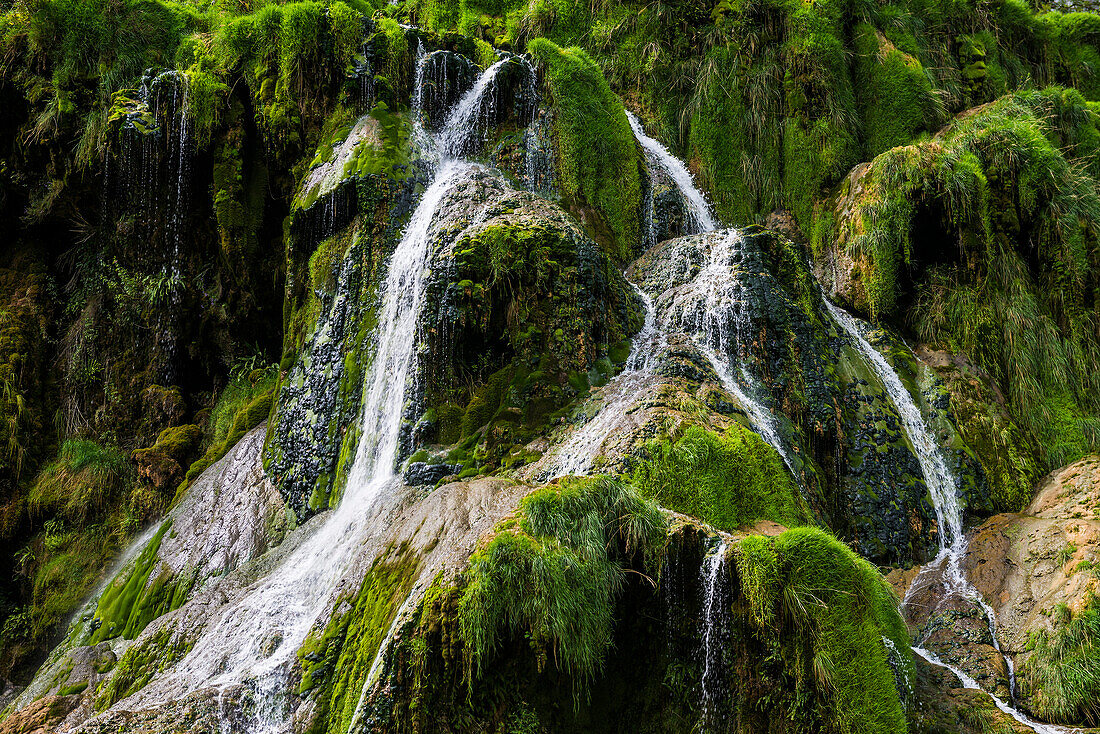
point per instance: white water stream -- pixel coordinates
(256, 638)
(714, 308)
(969, 682)
(697, 210)
(714, 614)
(943, 489)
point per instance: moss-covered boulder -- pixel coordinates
(839, 431)
(982, 239)
(521, 289)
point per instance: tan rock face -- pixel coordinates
(1025, 564)
(40, 717)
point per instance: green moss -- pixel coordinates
(390, 157)
(1010, 458)
(336, 660)
(136, 597)
(81, 484)
(139, 664)
(597, 156)
(245, 403)
(829, 611)
(74, 689)
(485, 403)
(894, 92)
(729, 480)
(554, 574)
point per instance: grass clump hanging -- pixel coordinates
(553, 573)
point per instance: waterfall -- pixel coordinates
(715, 617)
(697, 210)
(941, 483)
(943, 489)
(969, 682)
(714, 308)
(578, 453)
(256, 638)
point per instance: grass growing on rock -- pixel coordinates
(84, 480)
(828, 611)
(553, 573)
(729, 480)
(597, 155)
(244, 404)
(1014, 185)
(1062, 674)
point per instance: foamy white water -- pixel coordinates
(698, 210)
(969, 682)
(714, 308)
(256, 639)
(714, 614)
(577, 454)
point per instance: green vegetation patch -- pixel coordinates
(136, 597)
(829, 612)
(337, 659)
(597, 155)
(1062, 674)
(81, 483)
(1015, 186)
(139, 664)
(553, 574)
(244, 403)
(729, 480)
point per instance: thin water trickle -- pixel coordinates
(969, 682)
(578, 453)
(944, 491)
(697, 210)
(714, 619)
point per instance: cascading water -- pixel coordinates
(969, 682)
(697, 210)
(255, 640)
(943, 489)
(715, 617)
(941, 483)
(154, 178)
(714, 308)
(578, 453)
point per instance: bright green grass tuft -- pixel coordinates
(729, 480)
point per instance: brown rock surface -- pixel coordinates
(1025, 564)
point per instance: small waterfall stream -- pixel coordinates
(255, 640)
(715, 616)
(576, 455)
(715, 309)
(697, 210)
(943, 489)
(469, 118)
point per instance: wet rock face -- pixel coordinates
(517, 283)
(333, 294)
(420, 472)
(844, 434)
(446, 77)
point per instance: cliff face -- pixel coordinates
(374, 369)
